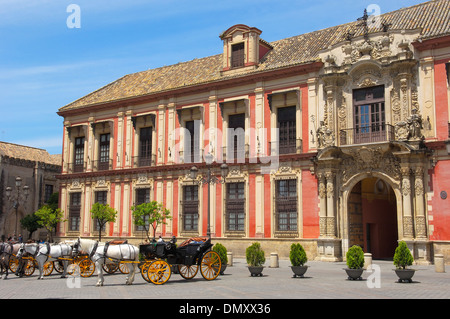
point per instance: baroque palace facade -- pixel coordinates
(345, 141)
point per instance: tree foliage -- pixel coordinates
(31, 223)
(255, 255)
(152, 213)
(49, 218)
(402, 256)
(355, 257)
(103, 214)
(297, 255)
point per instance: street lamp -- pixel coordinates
(18, 197)
(210, 179)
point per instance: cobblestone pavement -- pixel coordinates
(322, 281)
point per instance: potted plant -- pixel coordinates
(222, 251)
(298, 258)
(255, 259)
(355, 263)
(402, 259)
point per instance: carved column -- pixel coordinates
(331, 219)
(323, 205)
(407, 213)
(420, 221)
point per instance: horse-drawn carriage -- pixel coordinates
(159, 258)
(188, 257)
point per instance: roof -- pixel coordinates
(29, 153)
(433, 18)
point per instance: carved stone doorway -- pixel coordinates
(372, 217)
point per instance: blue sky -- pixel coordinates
(45, 65)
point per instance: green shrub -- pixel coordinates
(255, 255)
(402, 256)
(222, 251)
(355, 257)
(297, 255)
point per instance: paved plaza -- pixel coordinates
(323, 280)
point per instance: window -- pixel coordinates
(286, 205)
(287, 130)
(48, 192)
(142, 196)
(235, 207)
(237, 55)
(236, 137)
(104, 152)
(78, 165)
(369, 115)
(102, 198)
(190, 208)
(191, 142)
(145, 146)
(74, 212)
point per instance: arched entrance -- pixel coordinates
(372, 213)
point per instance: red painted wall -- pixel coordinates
(440, 89)
(310, 205)
(440, 212)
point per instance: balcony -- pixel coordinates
(367, 134)
(286, 147)
(102, 165)
(144, 161)
(75, 168)
(235, 154)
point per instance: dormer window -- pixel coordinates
(237, 55)
(243, 49)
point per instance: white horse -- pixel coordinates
(7, 250)
(46, 252)
(100, 253)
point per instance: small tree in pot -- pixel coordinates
(298, 258)
(402, 259)
(355, 263)
(255, 259)
(222, 251)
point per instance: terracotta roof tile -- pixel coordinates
(432, 17)
(29, 153)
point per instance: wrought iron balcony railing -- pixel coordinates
(367, 134)
(144, 161)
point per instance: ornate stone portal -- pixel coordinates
(399, 165)
(379, 137)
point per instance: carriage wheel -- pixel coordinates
(13, 264)
(48, 268)
(87, 267)
(29, 267)
(110, 268)
(159, 272)
(210, 265)
(188, 272)
(144, 271)
(58, 266)
(123, 268)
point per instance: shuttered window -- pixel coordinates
(286, 205)
(190, 208)
(237, 55)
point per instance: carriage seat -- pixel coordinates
(193, 240)
(118, 242)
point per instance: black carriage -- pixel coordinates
(190, 256)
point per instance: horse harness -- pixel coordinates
(105, 248)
